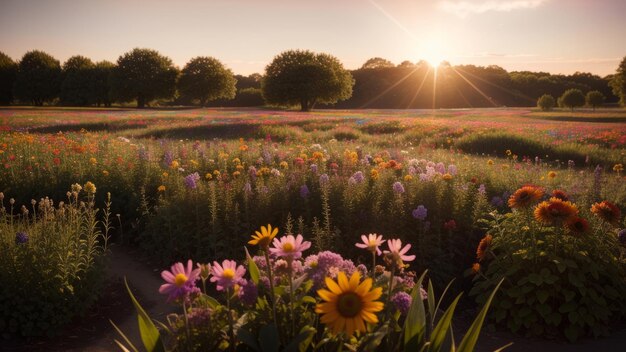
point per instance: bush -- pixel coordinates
(546, 102)
(51, 263)
(572, 98)
(562, 274)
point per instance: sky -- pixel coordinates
(557, 36)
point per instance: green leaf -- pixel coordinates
(431, 303)
(248, 339)
(440, 331)
(150, 335)
(303, 336)
(415, 323)
(443, 294)
(126, 339)
(542, 295)
(252, 268)
(469, 340)
(372, 341)
(268, 338)
(308, 299)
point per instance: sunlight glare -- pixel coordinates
(432, 52)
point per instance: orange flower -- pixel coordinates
(483, 246)
(475, 268)
(555, 211)
(577, 226)
(606, 211)
(525, 197)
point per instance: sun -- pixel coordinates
(432, 51)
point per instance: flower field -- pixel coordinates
(365, 202)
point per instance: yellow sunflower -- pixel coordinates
(348, 304)
(264, 238)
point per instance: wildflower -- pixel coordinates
(264, 238)
(105, 173)
(374, 174)
(482, 190)
(284, 164)
(555, 211)
(452, 169)
(483, 247)
(420, 212)
(326, 263)
(450, 225)
(347, 304)
(447, 177)
(475, 268)
(358, 177)
(324, 179)
(90, 188)
(551, 174)
(248, 293)
(174, 165)
(371, 243)
(397, 253)
(208, 176)
(408, 178)
(76, 188)
(525, 196)
(313, 168)
(577, 226)
(93, 161)
(557, 193)
(191, 180)
(161, 188)
(227, 275)
(205, 270)
(402, 301)
(21, 238)
(304, 191)
(621, 237)
(618, 168)
(606, 211)
(180, 281)
(290, 247)
(398, 188)
(247, 189)
(489, 162)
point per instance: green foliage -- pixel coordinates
(556, 283)
(377, 63)
(77, 87)
(8, 72)
(546, 102)
(56, 272)
(618, 82)
(102, 83)
(306, 78)
(594, 98)
(204, 79)
(38, 78)
(572, 98)
(143, 75)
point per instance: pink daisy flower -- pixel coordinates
(397, 252)
(371, 242)
(227, 275)
(180, 281)
(290, 247)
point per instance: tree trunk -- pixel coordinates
(141, 102)
(304, 105)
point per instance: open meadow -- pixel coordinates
(479, 194)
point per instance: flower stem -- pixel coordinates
(271, 279)
(291, 299)
(186, 324)
(231, 331)
(373, 265)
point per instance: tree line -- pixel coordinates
(294, 77)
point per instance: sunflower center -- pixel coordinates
(349, 304)
(288, 247)
(180, 280)
(228, 274)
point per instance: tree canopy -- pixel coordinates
(143, 75)
(546, 102)
(572, 98)
(618, 82)
(204, 79)
(306, 78)
(377, 62)
(102, 83)
(38, 78)
(8, 72)
(594, 99)
(77, 87)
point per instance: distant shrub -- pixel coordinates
(594, 98)
(572, 98)
(51, 263)
(546, 102)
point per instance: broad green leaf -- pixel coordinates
(373, 340)
(252, 268)
(150, 335)
(438, 335)
(471, 336)
(415, 323)
(301, 341)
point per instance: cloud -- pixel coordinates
(467, 7)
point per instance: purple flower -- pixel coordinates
(420, 212)
(180, 281)
(227, 275)
(191, 180)
(143, 154)
(324, 179)
(398, 188)
(452, 169)
(313, 168)
(621, 237)
(304, 191)
(481, 189)
(199, 316)
(402, 301)
(248, 292)
(247, 188)
(358, 177)
(326, 263)
(168, 157)
(497, 202)
(21, 238)
(440, 168)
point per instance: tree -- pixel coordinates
(594, 98)
(546, 102)
(407, 64)
(306, 78)
(38, 78)
(8, 72)
(572, 98)
(205, 79)
(143, 75)
(102, 83)
(377, 62)
(77, 87)
(618, 82)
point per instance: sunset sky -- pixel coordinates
(558, 36)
